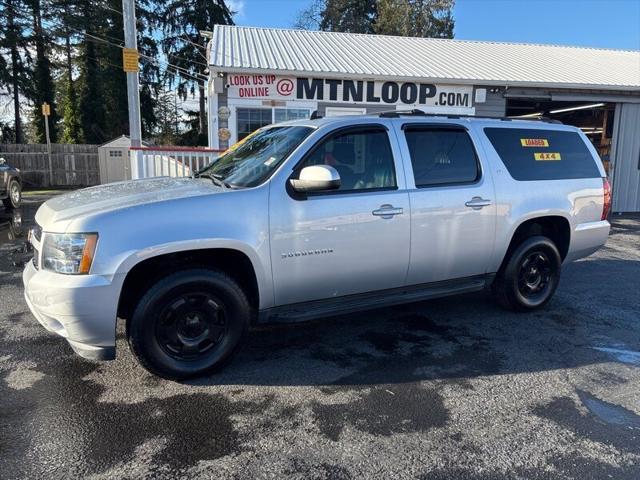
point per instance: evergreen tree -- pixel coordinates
(14, 46)
(354, 16)
(415, 18)
(65, 31)
(91, 101)
(183, 20)
(411, 18)
(112, 76)
(150, 77)
(43, 86)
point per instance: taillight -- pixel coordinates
(606, 208)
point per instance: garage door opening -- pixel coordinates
(595, 119)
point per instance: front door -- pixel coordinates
(348, 241)
(453, 204)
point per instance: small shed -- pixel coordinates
(114, 161)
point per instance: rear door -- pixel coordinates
(348, 241)
(453, 209)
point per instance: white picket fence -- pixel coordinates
(149, 162)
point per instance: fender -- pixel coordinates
(265, 285)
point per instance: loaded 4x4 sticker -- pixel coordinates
(544, 156)
(534, 142)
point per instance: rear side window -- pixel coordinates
(536, 154)
(441, 156)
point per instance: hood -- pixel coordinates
(115, 196)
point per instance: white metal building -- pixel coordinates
(260, 76)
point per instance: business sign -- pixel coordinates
(272, 87)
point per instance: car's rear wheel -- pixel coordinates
(14, 195)
(188, 323)
(530, 276)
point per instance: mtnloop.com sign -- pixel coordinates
(349, 91)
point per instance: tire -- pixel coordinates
(188, 324)
(14, 195)
(530, 275)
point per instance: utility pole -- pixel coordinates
(46, 111)
(130, 65)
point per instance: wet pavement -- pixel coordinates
(453, 388)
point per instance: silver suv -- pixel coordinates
(315, 218)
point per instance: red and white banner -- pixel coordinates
(275, 87)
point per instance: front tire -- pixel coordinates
(14, 195)
(188, 323)
(530, 276)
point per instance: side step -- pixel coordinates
(299, 312)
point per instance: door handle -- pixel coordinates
(477, 203)
(387, 211)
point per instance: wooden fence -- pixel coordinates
(71, 165)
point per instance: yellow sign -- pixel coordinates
(534, 142)
(547, 156)
(46, 109)
(130, 59)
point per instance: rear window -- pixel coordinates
(532, 154)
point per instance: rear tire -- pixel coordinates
(188, 323)
(14, 195)
(530, 276)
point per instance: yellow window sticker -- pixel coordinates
(545, 156)
(534, 142)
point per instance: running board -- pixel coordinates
(298, 312)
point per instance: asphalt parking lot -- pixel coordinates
(453, 388)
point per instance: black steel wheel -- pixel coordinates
(530, 275)
(14, 195)
(189, 323)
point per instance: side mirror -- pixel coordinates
(316, 178)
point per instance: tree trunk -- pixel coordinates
(14, 76)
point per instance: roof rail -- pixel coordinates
(419, 113)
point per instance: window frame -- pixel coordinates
(360, 128)
(449, 127)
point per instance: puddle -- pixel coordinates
(11, 227)
(621, 354)
(609, 412)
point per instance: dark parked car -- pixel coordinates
(10, 185)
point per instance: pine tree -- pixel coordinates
(112, 76)
(14, 45)
(65, 31)
(183, 20)
(91, 101)
(43, 86)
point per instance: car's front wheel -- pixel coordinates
(530, 275)
(14, 195)
(188, 323)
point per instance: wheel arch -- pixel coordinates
(555, 227)
(236, 262)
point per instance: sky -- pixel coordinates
(589, 23)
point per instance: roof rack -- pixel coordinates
(419, 113)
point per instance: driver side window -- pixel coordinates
(362, 157)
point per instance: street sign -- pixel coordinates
(46, 109)
(130, 59)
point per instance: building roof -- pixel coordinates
(300, 52)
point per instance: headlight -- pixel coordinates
(70, 253)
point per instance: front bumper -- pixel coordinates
(80, 308)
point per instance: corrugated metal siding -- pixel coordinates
(626, 155)
(428, 59)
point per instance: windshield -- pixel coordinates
(252, 160)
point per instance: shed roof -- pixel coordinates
(304, 52)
